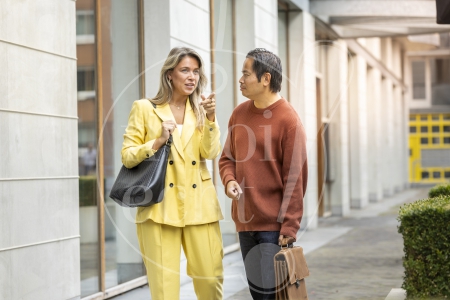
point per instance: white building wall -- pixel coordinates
(375, 135)
(256, 27)
(358, 131)
(39, 244)
(388, 116)
(339, 140)
(398, 140)
(266, 24)
(244, 35)
(125, 90)
(302, 86)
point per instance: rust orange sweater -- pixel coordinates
(265, 153)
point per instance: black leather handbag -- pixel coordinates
(144, 184)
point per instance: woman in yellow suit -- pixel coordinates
(189, 214)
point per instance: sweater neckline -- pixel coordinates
(261, 111)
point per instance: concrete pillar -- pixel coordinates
(39, 218)
(125, 89)
(387, 137)
(388, 121)
(303, 98)
(398, 140)
(337, 72)
(260, 20)
(358, 133)
(164, 20)
(405, 139)
(375, 121)
(225, 94)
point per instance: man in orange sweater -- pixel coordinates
(263, 168)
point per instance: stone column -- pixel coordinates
(388, 121)
(302, 87)
(374, 102)
(337, 72)
(358, 133)
(39, 217)
(125, 89)
(375, 154)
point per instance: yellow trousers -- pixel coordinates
(161, 249)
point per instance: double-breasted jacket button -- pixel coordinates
(148, 155)
(194, 185)
(171, 184)
(194, 162)
(210, 129)
(171, 162)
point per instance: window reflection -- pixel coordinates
(87, 147)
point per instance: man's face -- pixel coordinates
(249, 85)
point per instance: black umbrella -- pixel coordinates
(443, 11)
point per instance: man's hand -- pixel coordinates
(284, 240)
(233, 190)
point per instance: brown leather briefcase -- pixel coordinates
(290, 273)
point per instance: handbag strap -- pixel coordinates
(170, 140)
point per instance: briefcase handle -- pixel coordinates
(291, 245)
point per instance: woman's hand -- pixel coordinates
(209, 105)
(167, 128)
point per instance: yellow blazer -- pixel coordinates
(190, 197)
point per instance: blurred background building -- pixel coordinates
(369, 79)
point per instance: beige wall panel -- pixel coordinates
(42, 214)
(45, 24)
(203, 4)
(195, 30)
(47, 271)
(37, 82)
(37, 146)
(266, 22)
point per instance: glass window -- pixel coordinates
(447, 174)
(435, 117)
(410, 152)
(435, 140)
(435, 128)
(85, 22)
(440, 81)
(446, 128)
(424, 141)
(87, 154)
(424, 129)
(446, 117)
(425, 175)
(412, 117)
(225, 84)
(412, 129)
(424, 118)
(418, 80)
(447, 140)
(436, 174)
(86, 79)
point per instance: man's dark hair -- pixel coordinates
(265, 61)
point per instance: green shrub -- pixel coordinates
(439, 190)
(88, 190)
(425, 226)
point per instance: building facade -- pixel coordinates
(72, 69)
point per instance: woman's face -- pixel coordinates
(185, 76)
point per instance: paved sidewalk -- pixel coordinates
(355, 257)
(363, 263)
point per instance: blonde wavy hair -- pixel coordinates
(165, 91)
